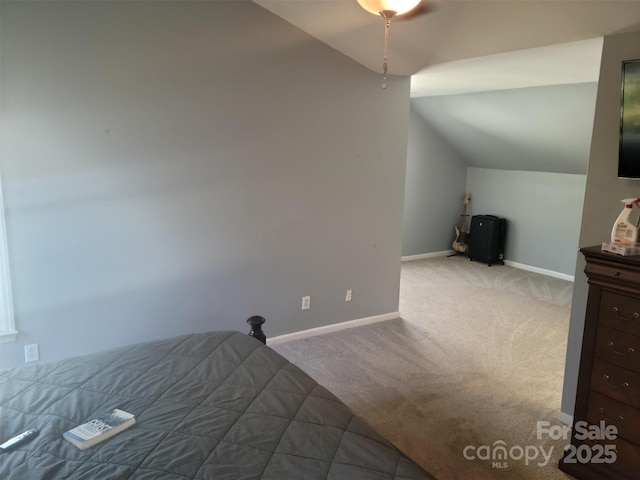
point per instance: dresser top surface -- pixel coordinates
(595, 252)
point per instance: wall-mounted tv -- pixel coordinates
(629, 151)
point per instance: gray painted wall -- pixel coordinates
(435, 187)
(543, 212)
(173, 167)
(603, 191)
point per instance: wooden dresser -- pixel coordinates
(609, 377)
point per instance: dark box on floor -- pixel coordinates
(486, 239)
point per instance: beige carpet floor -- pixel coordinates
(475, 362)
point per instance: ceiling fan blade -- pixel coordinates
(424, 7)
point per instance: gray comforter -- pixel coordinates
(208, 406)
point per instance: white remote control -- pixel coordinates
(19, 439)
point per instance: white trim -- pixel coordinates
(550, 273)
(9, 336)
(421, 256)
(565, 418)
(336, 327)
(521, 266)
(8, 331)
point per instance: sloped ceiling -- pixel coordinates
(510, 84)
(455, 30)
(543, 128)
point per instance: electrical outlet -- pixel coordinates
(347, 297)
(306, 303)
(31, 353)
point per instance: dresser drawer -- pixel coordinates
(628, 461)
(624, 276)
(625, 418)
(626, 465)
(620, 311)
(617, 347)
(616, 382)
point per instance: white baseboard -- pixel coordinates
(312, 332)
(550, 273)
(565, 418)
(521, 266)
(421, 256)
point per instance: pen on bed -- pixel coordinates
(19, 439)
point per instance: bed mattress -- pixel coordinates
(217, 405)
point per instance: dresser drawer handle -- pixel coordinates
(616, 273)
(613, 385)
(604, 416)
(616, 312)
(629, 351)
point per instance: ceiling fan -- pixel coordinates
(398, 9)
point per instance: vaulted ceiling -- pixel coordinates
(471, 61)
(471, 41)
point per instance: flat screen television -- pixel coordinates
(629, 151)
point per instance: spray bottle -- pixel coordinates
(624, 231)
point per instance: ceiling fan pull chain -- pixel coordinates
(388, 9)
(387, 19)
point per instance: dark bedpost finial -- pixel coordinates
(256, 328)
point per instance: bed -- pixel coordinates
(217, 405)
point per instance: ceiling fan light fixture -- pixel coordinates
(387, 9)
(398, 7)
